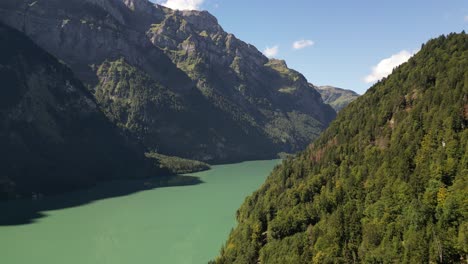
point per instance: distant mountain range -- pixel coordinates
(175, 79)
(338, 98)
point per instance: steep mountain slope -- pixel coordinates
(176, 80)
(338, 98)
(387, 182)
(53, 136)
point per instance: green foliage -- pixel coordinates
(155, 28)
(146, 109)
(281, 67)
(204, 34)
(177, 123)
(387, 182)
(124, 91)
(288, 127)
(176, 165)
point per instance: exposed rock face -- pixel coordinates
(53, 135)
(213, 97)
(338, 98)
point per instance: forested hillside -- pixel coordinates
(387, 182)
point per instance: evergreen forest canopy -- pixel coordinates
(387, 182)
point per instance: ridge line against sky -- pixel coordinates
(349, 44)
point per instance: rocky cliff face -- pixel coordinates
(206, 95)
(53, 135)
(337, 98)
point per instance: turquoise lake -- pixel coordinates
(166, 225)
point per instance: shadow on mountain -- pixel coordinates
(28, 211)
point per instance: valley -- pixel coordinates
(137, 131)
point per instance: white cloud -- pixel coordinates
(300, 44)
(271, 52)
(466, 18)
(183, 4)
(386, 66)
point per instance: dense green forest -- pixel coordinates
(177, 165)
(387, 182)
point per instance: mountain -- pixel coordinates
(338, 98)
(387, 182)
(53, 136)
(175, 79)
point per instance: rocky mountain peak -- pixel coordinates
(278, 63)
(139, 5)
(202, 20)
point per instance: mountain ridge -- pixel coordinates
(54, 137)
(338, 98)
(215, 76)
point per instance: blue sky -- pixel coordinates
(350, 38)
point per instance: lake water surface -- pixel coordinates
(170, 225)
